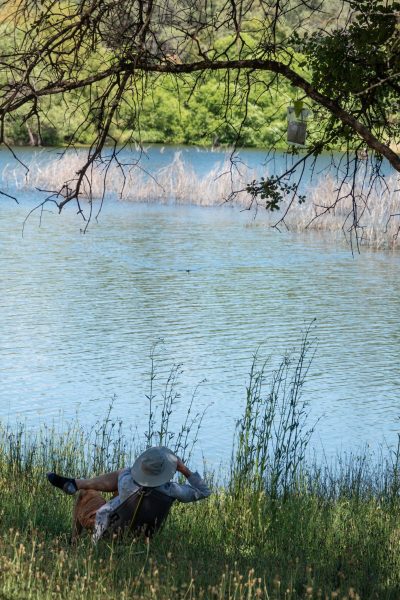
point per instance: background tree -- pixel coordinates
(104, 59)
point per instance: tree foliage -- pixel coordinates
(110, 66)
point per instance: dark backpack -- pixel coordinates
(142, 513)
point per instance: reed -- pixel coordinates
(376, 208)
(326, 208)
(177, 183)
(278, 528)
(273, 435)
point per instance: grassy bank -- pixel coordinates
(275, 528)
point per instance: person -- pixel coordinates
(154, 468)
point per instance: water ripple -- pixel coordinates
(80, 314)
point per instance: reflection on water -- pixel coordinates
(79, 314)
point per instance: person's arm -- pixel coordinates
(182, 468)
(195, 489)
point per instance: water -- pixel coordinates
(80, 313)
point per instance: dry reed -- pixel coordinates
(177, 183)
(373, 215)
(327, 207)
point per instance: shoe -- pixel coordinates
(66, 484)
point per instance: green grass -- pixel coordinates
(237, 544)
(272, 530)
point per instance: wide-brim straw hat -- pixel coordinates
(154, 467)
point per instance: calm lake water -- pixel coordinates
(80, 313)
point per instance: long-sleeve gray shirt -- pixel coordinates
(195, 489)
